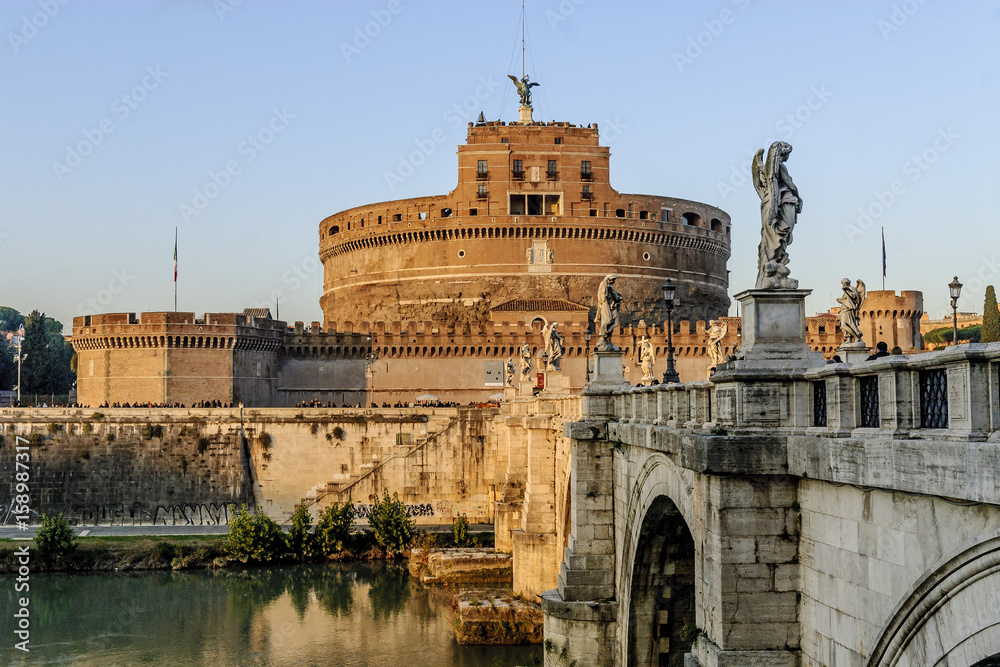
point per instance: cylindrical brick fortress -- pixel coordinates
(533, 216)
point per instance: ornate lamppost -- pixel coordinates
(955, 288)
(670, 375)
(586, 337)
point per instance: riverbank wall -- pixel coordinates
(176, 466)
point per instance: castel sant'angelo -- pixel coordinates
(432, 295)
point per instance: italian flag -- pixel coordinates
(175, 254)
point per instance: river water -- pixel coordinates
(329, 615)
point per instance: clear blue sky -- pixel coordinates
(684, 93)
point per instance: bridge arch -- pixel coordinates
(660, 564)
(951, 617)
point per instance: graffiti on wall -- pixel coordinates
(141, 514)
(424, 509)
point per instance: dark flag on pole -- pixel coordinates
(883, 258)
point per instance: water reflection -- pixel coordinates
(352, 615)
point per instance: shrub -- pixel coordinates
(54, 428)
(990, 333)
(111, 438)
(265, 440)
(254, 539)
(314, 428)
(339, 432)
(151, 431)
(202, 445)
(97, 415)
(392, 526)
(334, 528)
(55, 540)
(301, 543)
(163, 552)
(460, 531)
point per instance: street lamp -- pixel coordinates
(370, 360)
(670, 375)
(586, 337)
(955, 288)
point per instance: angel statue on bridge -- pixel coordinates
(609, 303)
(647, 361)
(717, 330)
(553, 347)
(780, 205)
(526, 365)
(850, 310)
(523, 89)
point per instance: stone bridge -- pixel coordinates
(790, 512)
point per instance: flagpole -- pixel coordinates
(175, 269)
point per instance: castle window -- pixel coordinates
(482, 193)
(446, 213)
(550, 172)
(334, 230)
(397, 217)
(619, 213)
(585, 173)
(481, 171)
(716, 225)
(586, 193)
(644, 215)
(593, 213)
(692, 219)
(532, 204)
(473, 211)
(380, 220)
(422, 215)
(518, 170)
(558, 140)
(504, 140)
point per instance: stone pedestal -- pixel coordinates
(756, 389)
(556, 383)
(853, 353)
(525, 115)
(526, 388)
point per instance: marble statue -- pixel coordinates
(526, 365)
(508, 368)
(523, 88)
(717, 330)
(850, 309)
(608, 307)
(647, 360)
(553, 347)
(780, 205)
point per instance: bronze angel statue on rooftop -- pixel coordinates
(523, 88)
(780, 205)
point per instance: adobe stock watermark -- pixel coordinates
(989, 269)
(21, 511)
(785, 127)
(712, 29)
(223, 7)
(565, 9)
(363, 35)
(455, 116)
(294, 278)
(31, 25)
(913, 169)
(899, 16)
(120, 280)
(248, 150)
(122, 107)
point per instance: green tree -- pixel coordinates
(334, 528)
(460, 531)
(390, 522)
(55, 540)
(255, 539)
(301, 543)
(47, 364)
(991, 318)
(8, 367)
(10, 319)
